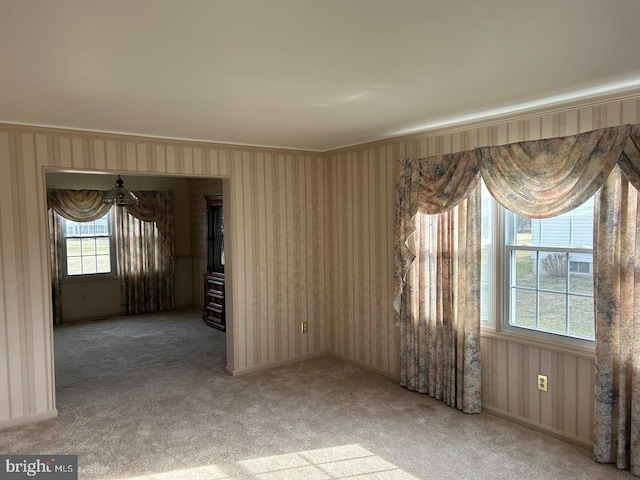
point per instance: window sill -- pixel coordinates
(104, 277)
(585, 352)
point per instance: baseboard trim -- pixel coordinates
(268, 366)
(364, 366)
(238, 372)
(92, 318)
(28, 419)
(533, 425)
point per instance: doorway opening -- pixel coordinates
(91, 303)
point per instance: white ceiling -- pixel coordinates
(304, 74)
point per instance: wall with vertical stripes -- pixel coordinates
(360, 218)
(360, 320)
(276, 231)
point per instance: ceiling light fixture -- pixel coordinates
(120, 195)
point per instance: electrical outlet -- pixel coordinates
(543, 383)
(304, 327)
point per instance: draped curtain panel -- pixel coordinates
(438, 208)
(145, 253)
(537, 179)
(617, 298)
(157, 207)
(55, 254)
(440, 323)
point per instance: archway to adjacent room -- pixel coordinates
(95, 302)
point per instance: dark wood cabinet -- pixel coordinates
(214, 301)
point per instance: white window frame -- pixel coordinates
(112, 251)
(501, 271)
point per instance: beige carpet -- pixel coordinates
(146, 397)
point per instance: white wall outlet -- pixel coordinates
(543, 383)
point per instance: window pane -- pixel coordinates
(581, 273)
(72, 228)
(103, 264)
(524, 308)
(102, 246)
(581, 317)
(74, 266)
(553, 312)
(553, 271)
(88, 246)
(89, 265)
(101, 226)
(486, 264)
(522, 226)
(573, 229)
(525, 273)
(73, 247)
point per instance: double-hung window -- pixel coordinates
(537, 274)
(88, 247)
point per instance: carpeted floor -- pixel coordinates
(146, 397)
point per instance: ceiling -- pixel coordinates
(303, 74)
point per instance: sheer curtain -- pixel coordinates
(538, 179)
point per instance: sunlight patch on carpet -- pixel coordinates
(346, 461)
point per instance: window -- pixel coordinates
(546, 280)
(488, 262)
(88, 247)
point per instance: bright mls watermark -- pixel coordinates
(40, 467)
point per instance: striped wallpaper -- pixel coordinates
(276, 230)
(360, 207)
(310, 238)
(276, 215)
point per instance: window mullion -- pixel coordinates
(537, 290)
(566, 300)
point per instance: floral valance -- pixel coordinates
(538, 179)
(437, 184)
(546, 178)
(87, 205)
(154, 206)
(630, 160)
(77, 205)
